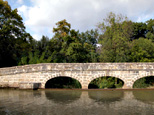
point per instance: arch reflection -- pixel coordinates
(106, 96)
(146, 96)
(63, 96)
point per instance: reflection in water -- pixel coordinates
(106, 96)
(62, 96)
(75, 102)
(145, 96)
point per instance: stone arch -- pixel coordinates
(49, 77)
(142, 74)
(138, 78)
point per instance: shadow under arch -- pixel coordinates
(63, 82)
(144, 82)
(63, 96)
(106, 82)
(106, 96)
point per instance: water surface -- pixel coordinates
(76, 102)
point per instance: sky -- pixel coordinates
(40, 16)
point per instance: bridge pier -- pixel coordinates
(84, 82)
(127, 85)
(84, 86)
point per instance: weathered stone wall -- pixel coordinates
(83, 72)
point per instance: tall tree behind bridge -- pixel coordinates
(68, 45)
(114, 39)
(14, 41)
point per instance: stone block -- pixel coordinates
(29, 85)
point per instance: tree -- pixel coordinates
(142, 50)
(43, 43)
(14, 41)
(150, 25)
(61, 41)
(71, 46)
(150, 29)
(89, 40)
(40, 52)
(139, 30)
(114, 39)
(62, 30)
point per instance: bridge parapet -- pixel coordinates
(77, 67)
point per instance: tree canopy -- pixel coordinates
(116, 39)
(121, 38)
(14, 41)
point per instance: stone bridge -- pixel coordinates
(19, 76)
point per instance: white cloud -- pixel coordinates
(23, 11)
(20, 1)
(42, 15)
(37, 36)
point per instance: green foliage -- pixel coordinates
(150, 35)
(144, 82)
(150, 25)
(67, 46)
(142, 50)
(14, 41)
(63, 28)
(70, 46)
(116, 33)
(139, 30)
(106, 82)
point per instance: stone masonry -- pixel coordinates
(83, 72)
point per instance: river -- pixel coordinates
(76, 102)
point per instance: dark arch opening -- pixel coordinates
(106, 82)
(145, 82)
(63, 82)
